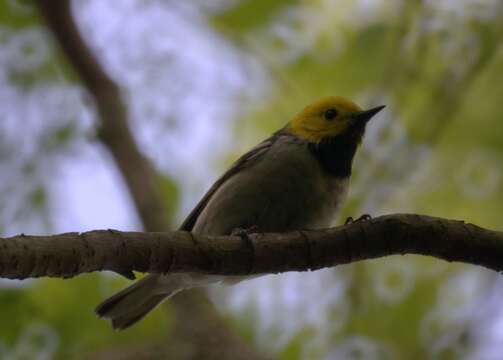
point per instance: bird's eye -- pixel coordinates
(330, 114)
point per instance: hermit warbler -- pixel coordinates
(296, 179)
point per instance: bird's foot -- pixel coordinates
(244, 232)
(363, 218)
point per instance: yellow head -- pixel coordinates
(328, 117)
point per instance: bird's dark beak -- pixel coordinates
(362, 117)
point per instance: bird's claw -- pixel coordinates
(363, 218)
(244, 232)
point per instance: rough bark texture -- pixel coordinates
(143, 186)
(70, 254)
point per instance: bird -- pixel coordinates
(296, 179)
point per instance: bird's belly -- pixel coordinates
(273, 202)
(296, 207)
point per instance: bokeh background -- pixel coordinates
(203, 81)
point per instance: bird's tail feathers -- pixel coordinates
(134, 302)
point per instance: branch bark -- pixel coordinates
(70, 254)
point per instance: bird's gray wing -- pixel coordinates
(243, 162)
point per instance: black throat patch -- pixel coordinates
(336, 154)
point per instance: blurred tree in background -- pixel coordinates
(202, 81)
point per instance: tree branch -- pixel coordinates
(114, 132)
(70, 254)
